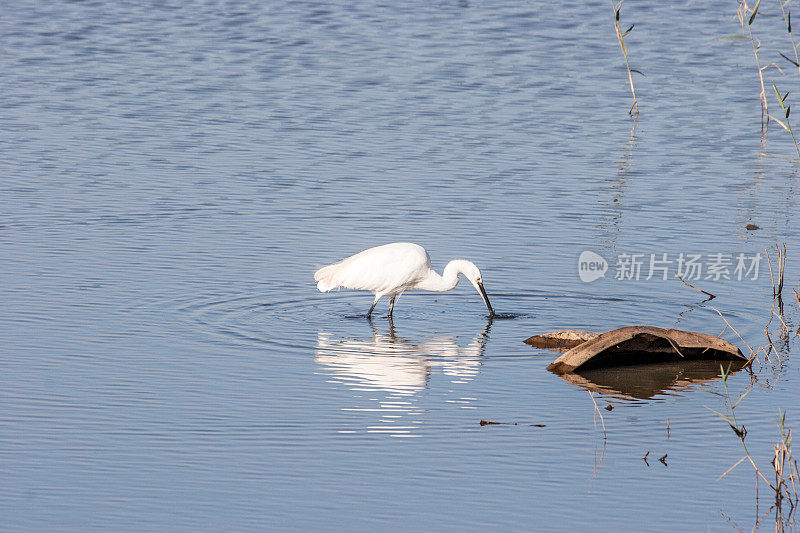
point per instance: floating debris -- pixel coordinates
(636, 345)
(491, 423)
(561, 340)
(751, 227)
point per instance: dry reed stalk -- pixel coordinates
(597, 410)
(774, 349)
(737, 463)
(772, 280)
(732, 328)
(754, 357)
(797, 297)
(777, 291)
(784, 326)
(621, 38)
(743, 12)
(710, 296)
(786, 472)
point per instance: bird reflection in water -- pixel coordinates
(392, 370)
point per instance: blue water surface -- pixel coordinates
(173, 173)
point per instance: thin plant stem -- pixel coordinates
(621, 39)
(740, 431)
(732, 328)
(787, 19)
(710, 296)
(737, 463)
(743, 10)
(597, 410)
(785, 124)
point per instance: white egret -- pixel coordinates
(392, 269)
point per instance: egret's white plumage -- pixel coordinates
(392, 269)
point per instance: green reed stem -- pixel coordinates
(787, 19)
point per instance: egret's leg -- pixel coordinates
(369, 313)
(391, 305)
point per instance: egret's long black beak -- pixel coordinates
(485, 299)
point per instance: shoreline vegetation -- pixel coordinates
(785, 483)
(767, 360)
(768, 356)
(747, 16)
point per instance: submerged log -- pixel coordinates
(635, 345)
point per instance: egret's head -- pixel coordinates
(472, 273)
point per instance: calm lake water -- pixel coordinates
(173, 174)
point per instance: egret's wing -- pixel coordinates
(381, 269)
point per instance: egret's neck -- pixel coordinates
(447, 281)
